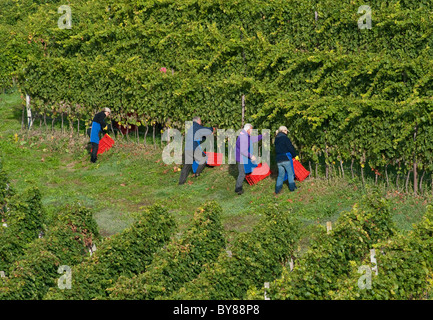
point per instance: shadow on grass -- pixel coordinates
(233, 171)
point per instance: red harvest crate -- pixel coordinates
(214, 159)
(105, 144)
(300, 172)
(259, 173)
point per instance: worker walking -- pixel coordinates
(284, 153)
(98, 125)
(245, 160)
(194, 137)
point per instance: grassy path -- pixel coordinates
(130, 176)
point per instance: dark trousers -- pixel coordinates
(94, 153)
(241, 177)
(187, 167)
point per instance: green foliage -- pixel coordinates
(66, 242)
(316, 272)
(348, 94)
(6, 190)
(178, 262)
(25, 213)
(123, 254)
(31, 275)
(405, 267)
(23, 221)
(256, 257)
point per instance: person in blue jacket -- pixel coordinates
(194, 137)
(98, 125)
(284, 153)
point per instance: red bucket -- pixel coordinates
(214, 159)
(300, 172)
(105, 144)
(259, 173)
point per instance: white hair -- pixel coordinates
(248, 126)
(281, 129)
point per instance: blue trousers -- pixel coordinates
(283, 168)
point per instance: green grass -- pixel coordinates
(131, 176)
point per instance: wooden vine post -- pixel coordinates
(326, 158)
(362, 168)
(29, 112)
(145, 134)
(386, 175)
(420, 182)
(61, 115)
(22, 117)
(243, 95)
(398, 175)
(407, 180)
(432, 183)
(415, 177)
(243, 110)
(153, 136)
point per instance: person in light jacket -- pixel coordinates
(245, 160)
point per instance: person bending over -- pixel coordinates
(98, 125)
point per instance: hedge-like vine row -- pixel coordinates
(405, 267)
(66, 242)
(178, 262)
(123, 254)
(6, 190)
(316, 273)
(22, 222)
(346, 94)
(254, 258)
(331, 267)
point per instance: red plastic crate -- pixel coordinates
(214, 159)
(300, 172)
(259, 173)
(105, 144)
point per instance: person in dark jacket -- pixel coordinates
(244, 159)
(194, 137)
(283, 146)
(98, 125)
